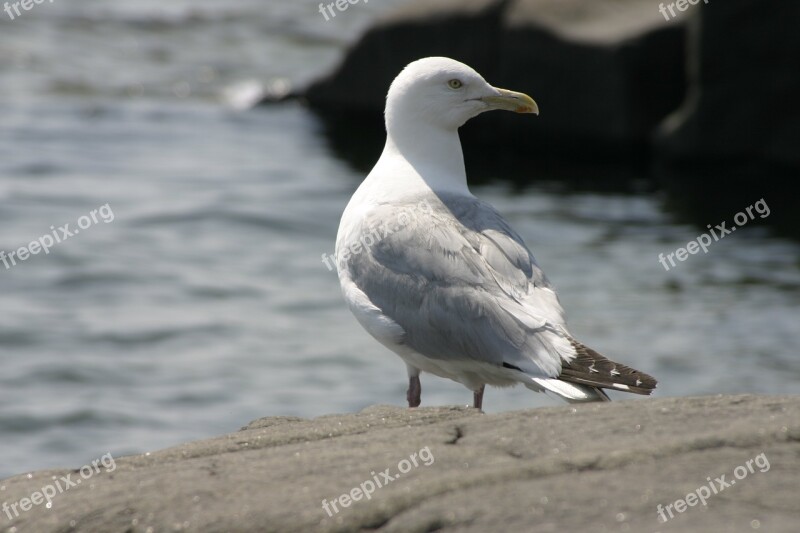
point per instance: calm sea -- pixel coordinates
(191, 298)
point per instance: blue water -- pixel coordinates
(204, 302)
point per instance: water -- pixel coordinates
(204, 303)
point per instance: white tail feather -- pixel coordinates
(570, 392)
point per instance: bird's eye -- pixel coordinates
(455, 84)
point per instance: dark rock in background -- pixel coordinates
(467, 30)
(587, 66)
(604, 74)
(736, 138)
(607, 75)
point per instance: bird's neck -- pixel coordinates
(426, 157)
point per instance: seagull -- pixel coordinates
(437, 275)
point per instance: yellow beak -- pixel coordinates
(511, 101)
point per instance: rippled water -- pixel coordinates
(204, 303)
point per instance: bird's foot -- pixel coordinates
(414, 393)
(477, 398)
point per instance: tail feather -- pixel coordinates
(592, 369)
(571, 392)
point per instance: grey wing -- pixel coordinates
(461, 284)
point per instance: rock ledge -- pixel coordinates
(593, 467)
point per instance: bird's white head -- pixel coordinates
(445, 93)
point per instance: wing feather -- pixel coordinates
(460, 283)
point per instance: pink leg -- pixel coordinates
(414, 393)
(477, 398)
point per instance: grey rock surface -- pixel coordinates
(591, 467)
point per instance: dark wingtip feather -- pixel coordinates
(591, 368)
